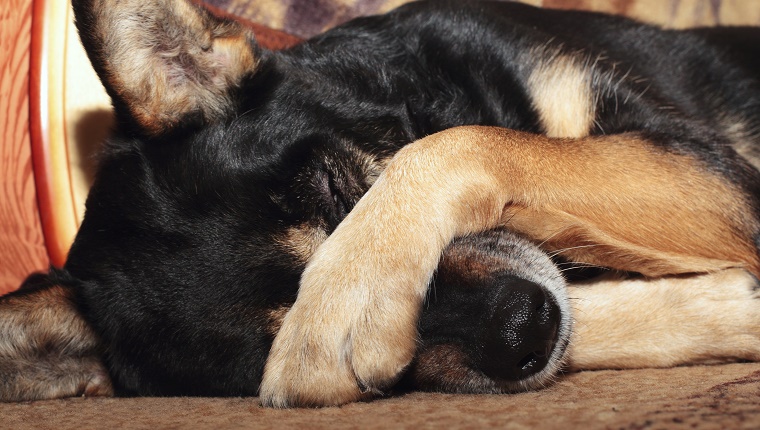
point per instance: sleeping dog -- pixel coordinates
(397, 199)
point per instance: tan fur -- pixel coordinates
(275, 317)
(560, 89)
(339, 332)
(461, 262)
(635, 206)
(640, 205)
(354, 322)
(171, 59)
(47, 350)
(665, 322)
(743, 139)
(302, 241)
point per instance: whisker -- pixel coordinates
(581, 266)
(549, 238)
(559, 251)
(240, 116)
(513, 215)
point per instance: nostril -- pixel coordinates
(540, 307)
(527, 363)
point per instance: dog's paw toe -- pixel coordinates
(334, 359)
(298, 385)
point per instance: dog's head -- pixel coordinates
(227, 167)
(196, 93)
(217, 174)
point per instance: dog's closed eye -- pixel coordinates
(334, 193)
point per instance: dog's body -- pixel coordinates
(618, 144)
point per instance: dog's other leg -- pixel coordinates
(619, 201)
(47, 350)
(687, 319)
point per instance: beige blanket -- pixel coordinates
(708, 397)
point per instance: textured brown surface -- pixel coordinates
(22, 247)
(710, 397)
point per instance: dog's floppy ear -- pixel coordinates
(164, 62)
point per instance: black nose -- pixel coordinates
(518, 340)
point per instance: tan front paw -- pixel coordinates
(325, 357)
(353, 327)
(349, 334)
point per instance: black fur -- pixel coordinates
(178, 259)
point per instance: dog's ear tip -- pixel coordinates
(166, 62)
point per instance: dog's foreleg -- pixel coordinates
(617, 201)
(634, 323)
(47, 349)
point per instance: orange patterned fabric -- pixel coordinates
(22, 247)
(306, 18)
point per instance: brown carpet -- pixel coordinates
(705, 397)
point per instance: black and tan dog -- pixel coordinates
(596, 138)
